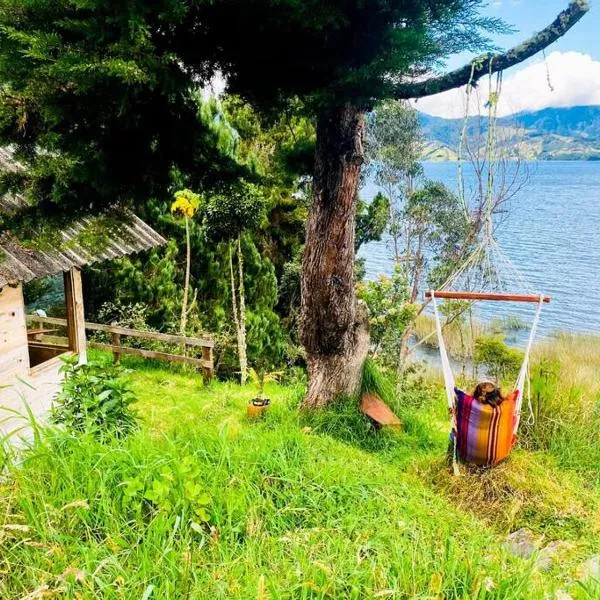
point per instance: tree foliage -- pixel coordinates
(329, 53)
(371, 219)
(97, 105)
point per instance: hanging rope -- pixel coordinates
(520, 383)
(446, 367)
(548, 78)
(449, 384)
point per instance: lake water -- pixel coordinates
(551, 233)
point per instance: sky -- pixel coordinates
(569, 75)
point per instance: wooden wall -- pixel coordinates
(20, 385)
(14, 355)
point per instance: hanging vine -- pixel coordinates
(461, 142)
(492, 106)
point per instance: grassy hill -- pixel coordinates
(549, 134)
(292, 507)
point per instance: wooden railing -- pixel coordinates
(206, 344)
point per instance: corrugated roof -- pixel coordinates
(19, 263)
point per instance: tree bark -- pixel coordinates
(334, 329)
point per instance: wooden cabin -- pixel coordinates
(30, 368)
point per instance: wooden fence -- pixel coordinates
(206, 344)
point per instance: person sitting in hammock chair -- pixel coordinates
(488, 393)
(485, 423)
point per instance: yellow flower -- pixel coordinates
(183, 207)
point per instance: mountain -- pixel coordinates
(550, 134)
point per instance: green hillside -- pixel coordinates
(549, 134)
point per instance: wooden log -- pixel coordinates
(197, 362)
(487, 296)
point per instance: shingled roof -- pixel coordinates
(128, 235)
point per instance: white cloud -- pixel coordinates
(574, 80)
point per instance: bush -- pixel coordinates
(501, 361)
(390, 312)
(96, 399)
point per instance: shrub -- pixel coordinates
(95, 398)
(501, 361)
(390, 312)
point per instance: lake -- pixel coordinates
(552, 235)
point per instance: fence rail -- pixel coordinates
(206, 344)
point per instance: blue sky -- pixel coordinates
(529, 16)
(569, 76)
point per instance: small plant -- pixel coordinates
(266, 345)
(186, 204)
(262, 377)
(94, 398)
(174, 488)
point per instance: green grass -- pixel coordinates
(300, 508)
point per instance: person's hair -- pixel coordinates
(488, 393)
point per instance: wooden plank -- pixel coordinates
(48, 320)
(146, 335)
(487, 296)
(55, 340)
(197, 362)
(375, 408)
(14, 354)
(36, 388)
(75, 313)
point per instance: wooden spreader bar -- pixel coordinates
(487, 296)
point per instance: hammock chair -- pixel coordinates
(483, 434)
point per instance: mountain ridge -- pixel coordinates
(569, 133)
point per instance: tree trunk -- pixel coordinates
(242, 296)
(241, 339)
(186, 287)
(334, 330)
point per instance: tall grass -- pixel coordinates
(296, 511)
(565, 398)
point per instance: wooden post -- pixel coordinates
(75, 313)
(116, 341)
(38, 337)
(207, 372)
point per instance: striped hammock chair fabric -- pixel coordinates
(484, 433)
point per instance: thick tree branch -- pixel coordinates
(496, 62)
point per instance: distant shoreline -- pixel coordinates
(518, 159)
